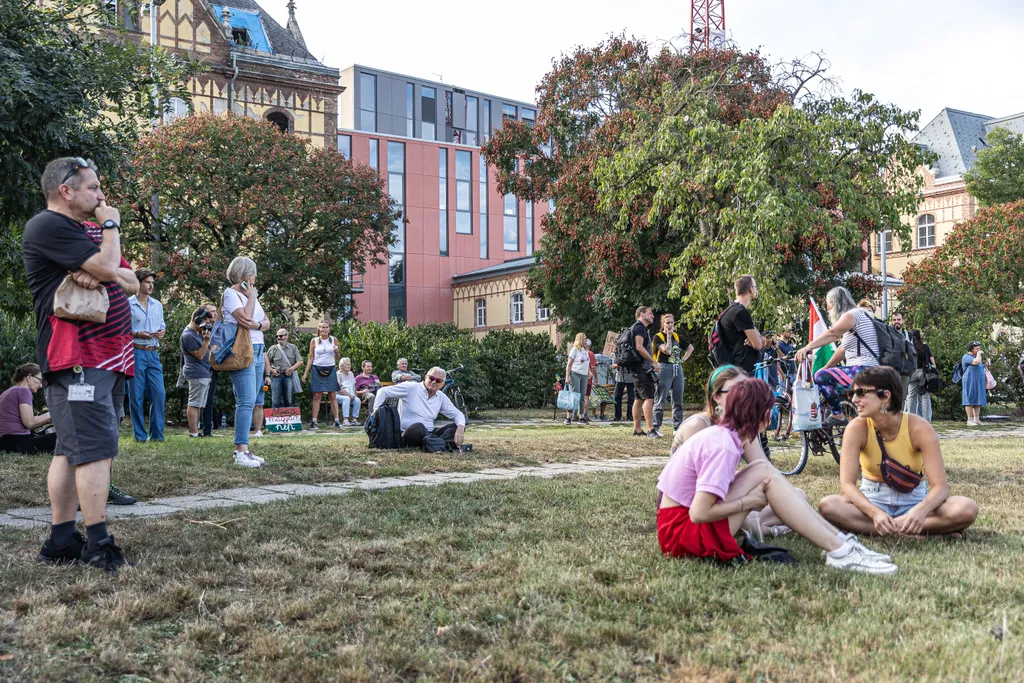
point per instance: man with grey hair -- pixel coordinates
(402, 374)
(420, 403)
(84, 364)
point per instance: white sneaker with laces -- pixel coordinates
(245, 459)
(868, 551)
(258, 434)
(851, 557)
(255, 457)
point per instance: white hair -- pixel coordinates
(241, 267)
(342, 362)
(842, 301)
(437, 369)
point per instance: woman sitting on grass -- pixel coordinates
(703, 501)
(908, 497)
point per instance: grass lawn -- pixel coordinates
(524, 580)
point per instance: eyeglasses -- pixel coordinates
(282, 336)
(80, 163)
(37, 378)
(435, 380)
(861, 393)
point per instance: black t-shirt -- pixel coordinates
(676, 354)
(735, 320)
(924, 359)
(640, 330)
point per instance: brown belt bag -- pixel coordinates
(896, 476)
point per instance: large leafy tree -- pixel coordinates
(997, 175)
(230, 186)
(67, 89)
(673, 172)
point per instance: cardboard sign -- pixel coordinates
(609, 344)
(283, 420)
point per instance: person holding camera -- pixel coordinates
(324, 352)
(241, 304)
(284, 359)
(195, 355)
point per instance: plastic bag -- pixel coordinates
(806, 408)
(568, 400)
(990, 381)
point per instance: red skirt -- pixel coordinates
(680, 537)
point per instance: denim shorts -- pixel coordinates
(891, 501)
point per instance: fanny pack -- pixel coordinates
(323, 372)
(896, 476)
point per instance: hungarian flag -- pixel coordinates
(818, 328)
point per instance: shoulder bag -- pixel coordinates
(230, 345)
(896, 476)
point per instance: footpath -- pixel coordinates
(29, 518)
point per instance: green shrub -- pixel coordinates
(521, 368)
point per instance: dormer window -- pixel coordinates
(240, 36)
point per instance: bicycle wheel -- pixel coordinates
(788, 458)
(459, 400)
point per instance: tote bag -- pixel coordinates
(230, 347)
(568, 400)
(806, 411)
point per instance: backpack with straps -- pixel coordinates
(894, 350)
(958, 372)
(719, 353)
(384, 428)
(626, 355)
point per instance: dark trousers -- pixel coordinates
(31, 444)
(617, 397)
(414, 435)
(206, 417)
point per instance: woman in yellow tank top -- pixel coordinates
(875, 507)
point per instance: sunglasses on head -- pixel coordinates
(435, 380)
(861, 393)
(80, 163)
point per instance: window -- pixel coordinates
(926, 231)
(487, 120)
(481, 313)
(529, 116)
(471, 121)
(509, 112)
(428, 102)
(483, 208)
(125, 16)
(510, 227)
(529, 228)
(463, 192)
(442, 199)
(240, 37)
(177, 108)
(375, 154)
(543, 312)
(368, 102)
(887, 239)
(396, 253)
(345, 146)
(517, 309)
(410, 112)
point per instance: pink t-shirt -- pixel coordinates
(10, 410)
(706, 462)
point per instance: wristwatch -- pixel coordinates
(110, 224)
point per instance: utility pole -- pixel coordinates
(707, 24)
(885, 275)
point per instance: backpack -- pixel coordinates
(958, 372)
(932, 382)
(718, 353)
(384, 428)
(894, 350)
(625, 349)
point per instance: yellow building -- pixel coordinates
(496, 298)
(254, 66)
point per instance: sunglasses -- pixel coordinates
(435, 380)
(282, 336)
(861, 393)
(80, 163)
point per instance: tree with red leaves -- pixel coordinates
(230, 186)
(671, 173)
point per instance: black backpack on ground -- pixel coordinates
(625, 350)
(894, 350)
(384, 428)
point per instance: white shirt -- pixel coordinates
(416, 406)
(580, 361)
(233, 300)
(323, 352)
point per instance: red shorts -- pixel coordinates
(679, 537)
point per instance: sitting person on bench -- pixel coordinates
(420, 404)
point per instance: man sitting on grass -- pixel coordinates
(420, 404)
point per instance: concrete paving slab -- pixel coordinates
(384, 483)
(302, 489)
(180, 501)
(251, 495)
(209, 503)
(30, 513)
(23, 523)
(140, 510)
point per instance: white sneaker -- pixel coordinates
(844, 537)
(258, 434)
(255, 457)
(851, 556)
(654, 434)
(245, 459)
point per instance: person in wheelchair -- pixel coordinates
(903, 489)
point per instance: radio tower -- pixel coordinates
(707, 24)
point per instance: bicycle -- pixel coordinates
(828, 437)
(450, 388)
(784, 456)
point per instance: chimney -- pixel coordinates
(293, 25)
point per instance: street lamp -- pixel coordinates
(885, 276)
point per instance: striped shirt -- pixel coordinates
(858, 353)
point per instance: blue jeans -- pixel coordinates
(281, 388)
(889, 500)
(148, 383)
(248, 387)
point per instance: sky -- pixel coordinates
(917, 54)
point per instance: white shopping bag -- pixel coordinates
(806, 411)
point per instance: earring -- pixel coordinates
(883, 411)
(719, 411)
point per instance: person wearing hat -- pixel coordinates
(284, 359)
(972, 386)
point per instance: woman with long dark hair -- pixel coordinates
(703, 501)
(919, 401)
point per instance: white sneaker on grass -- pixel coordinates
(258, 433)
(843, 536)
(246, 459)
(255, 457)
(851, 556)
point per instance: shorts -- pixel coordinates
(198, 392)
(889, 500)
(678, 536)
(643, 382)
(86, 430)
